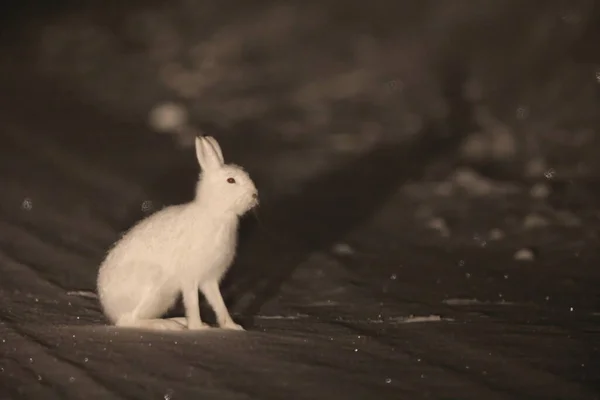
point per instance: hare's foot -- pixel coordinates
(180, 320)
(194, 325)
(153, 324)
(230, 325)
(199, 327)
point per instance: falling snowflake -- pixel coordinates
(550, 174)
(522, 112)
(147, 206)
(27, 204)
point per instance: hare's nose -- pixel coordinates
(255, 195)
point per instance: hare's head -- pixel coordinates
(226, 188)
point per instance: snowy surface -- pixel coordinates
(365, 280)
(378, 319)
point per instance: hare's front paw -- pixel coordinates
(197, 325)
(232, 326)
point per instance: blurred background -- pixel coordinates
(483, 98)
(323, 81)
(487, 98)
(436, 159)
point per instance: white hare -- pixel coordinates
(179, 250)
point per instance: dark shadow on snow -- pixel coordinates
(291, 227)
(332, 205)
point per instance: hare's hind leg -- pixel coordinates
(154, 324)
(146, 314)
(172, 324)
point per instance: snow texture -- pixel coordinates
(343, 287)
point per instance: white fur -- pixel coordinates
(179, 250)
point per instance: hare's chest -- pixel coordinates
(213, 255)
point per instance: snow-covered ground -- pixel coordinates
(403, 270)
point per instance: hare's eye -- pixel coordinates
(230, 180)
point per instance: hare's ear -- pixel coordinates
(216, 147)
(207, 157)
